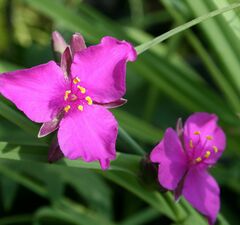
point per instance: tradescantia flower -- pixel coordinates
(184, 157)
(74, 96)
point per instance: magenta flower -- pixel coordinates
(74, 97)
(184, 158)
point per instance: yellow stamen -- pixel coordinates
(207, 154)
(76, 80)
(82, 89)
(215, 149)
(209, 137)
(89, 100)
(198, 159)
(197, 132)
(191, 143)
(67, 108)
(67, 94)
(80, 107)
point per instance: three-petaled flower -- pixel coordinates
(184, 157)
(74, 97)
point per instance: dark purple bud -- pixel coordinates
(77, 43)
(54, 153)
(66, 61)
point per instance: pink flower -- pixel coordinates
(74, 97)
(184, 158)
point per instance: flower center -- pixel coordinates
(202, 147)
(76, 97)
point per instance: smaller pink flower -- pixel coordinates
(74, 96)
(184, 158)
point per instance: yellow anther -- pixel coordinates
(198, 159)
(80, 107)
(82, 89)
(197, 132)
(209, 137)
(67, 94)
(67, 108)
(89, 100)
(215, 149)
(76, 80)
(207, 154)
(191, 143)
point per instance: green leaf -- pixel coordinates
(142, 48)
(137, 127)
(217, 75)
(226, 42)
(124, 171)
(12, 134)
(66, 17)
(142, 217)
(6, 66)
(8, 191)
(99, 198)
(16, 118)
(16, 219)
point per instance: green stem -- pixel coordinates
(126, 137)
(145, 46)
(180, 214)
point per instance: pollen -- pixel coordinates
(80, 107)
(191, 143)
(207, 154)
(67, 93)
(209, 137)
(82, 89)
(76, 80)
(215, 149)
(67, 108)
(198, 159)
(197, 132)
(89, 100)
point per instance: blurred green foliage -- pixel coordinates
(197, 70)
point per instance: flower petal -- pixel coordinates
(102, 68)
(173, 162)
(90, 135)
(37, 91)
(206, 125)
(202, 192)
(77, 43)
